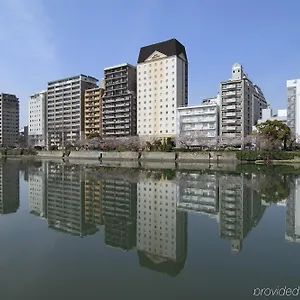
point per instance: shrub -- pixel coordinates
(53, 148)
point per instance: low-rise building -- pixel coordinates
(198, 125)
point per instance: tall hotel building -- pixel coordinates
(66, 109)
(93, 111)
(119, 101)
(37, 119)
(241, 105)
(9, 120)
(293, 106)
(162, 87)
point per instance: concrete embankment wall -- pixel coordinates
(144, 157)
(206, 157)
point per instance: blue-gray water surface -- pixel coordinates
(72, 232)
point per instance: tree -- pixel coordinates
(274, 133)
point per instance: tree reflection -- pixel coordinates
(275, 187)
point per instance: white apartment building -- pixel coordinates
(161, 229)
(241, 105)
(9, 120)
(37, 117)
(293, 105)
(199, 122)
(65, 109)
(162, 87)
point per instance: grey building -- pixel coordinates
(65, 106)
(119, 101)
(9, 120)
(241, 105)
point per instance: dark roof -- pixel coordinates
(169, 48)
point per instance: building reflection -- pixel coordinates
(161, 228)
(66, 200)
(9, 188)
(293, 212)
(119, 213)
(199, 193)
(37, 186)
(240, 208)
(229, 199)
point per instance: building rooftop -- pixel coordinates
(169, 48)
(118, 66)
(72, 78)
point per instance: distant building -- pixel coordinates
(93, 111)
(293, 106)
(9, 120)
(199, 124)
(119, 101)
(65, 107)
(267, 114)
(241, 105)
(162, 87)
(23, 137)
(37, 135)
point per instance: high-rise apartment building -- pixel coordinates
(93, 111)
(9, 120)
(65, 106)
(119, 101)
(37, 119)
(241, 105)
(162, 87)
(293, 106)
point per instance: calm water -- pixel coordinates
(69, 232)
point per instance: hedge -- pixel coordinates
(252, 155)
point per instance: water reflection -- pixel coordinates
(147, 211)
(9, 188)
(293, 212)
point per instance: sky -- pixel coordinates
(42, 40)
